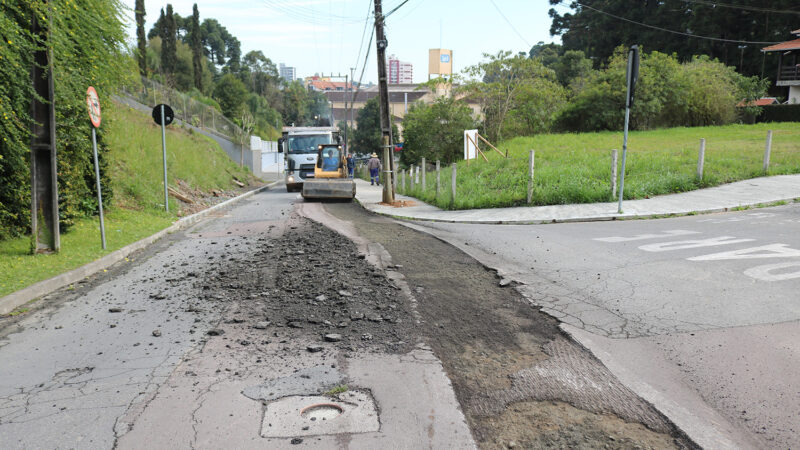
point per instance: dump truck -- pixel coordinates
(330, 180)
(299, 146)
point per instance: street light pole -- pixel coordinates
(386, 124)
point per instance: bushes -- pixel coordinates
(435, 131)
(87, 41)
(780, 113)
(699, 92)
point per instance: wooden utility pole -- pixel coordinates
(386, 123)
(45, 234)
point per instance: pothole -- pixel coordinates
(311, 415)
(321, 411)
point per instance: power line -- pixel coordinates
(697, 36)
(510, 24)
(364, 33)
(742, 7)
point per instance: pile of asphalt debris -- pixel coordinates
(311, 282)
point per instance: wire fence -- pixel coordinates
(186, 108)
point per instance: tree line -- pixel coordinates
(205, 60)
(730, 31)
(552, 89)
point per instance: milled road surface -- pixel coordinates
(242, 331)
(697, 311)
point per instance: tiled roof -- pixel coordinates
(788, 45)
(765, 101)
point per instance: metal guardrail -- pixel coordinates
(186, 108)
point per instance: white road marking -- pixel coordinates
(764, 273)
(698, 243)
(641, 237)
(765, 251)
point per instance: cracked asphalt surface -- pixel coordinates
(182, 345)
(713, 297)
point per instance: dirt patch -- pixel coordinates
(520, 381)
(400, 204)
(310, 282)
(193, 200)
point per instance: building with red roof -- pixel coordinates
(788, 65)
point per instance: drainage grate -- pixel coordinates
(303, 415)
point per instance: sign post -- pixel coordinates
(93, 103)
(632, 77)
(163, 115)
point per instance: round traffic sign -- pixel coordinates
(93, 103)
(169, 115)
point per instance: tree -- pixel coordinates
(435, 131)
(368, 137)
(518, 95)
(140, 38)
(231, 94)
(597, 33)
(259, 72)
(169, 55)
(197, 49)
(571, 66)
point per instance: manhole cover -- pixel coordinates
(309, 415)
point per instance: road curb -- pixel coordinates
(607, 218)
(44, 287)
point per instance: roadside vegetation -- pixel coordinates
(576, 167)
(196, 164)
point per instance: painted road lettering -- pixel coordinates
(698, 243)
(641, 237)
(764, 251)
(767, 271)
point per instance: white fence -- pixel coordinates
(271, 160)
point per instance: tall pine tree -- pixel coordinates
(169, 52)
(140, 37)
(197, 49)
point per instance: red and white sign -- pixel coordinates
(93, 103)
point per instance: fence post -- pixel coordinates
(424, 184)
(614, 173)
(404, 181)
(438, 178)
(767, 150)
(412, 177)
(394, 177)
(701, 159)
(453, 184)
(530, 177)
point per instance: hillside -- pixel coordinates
(197, 168)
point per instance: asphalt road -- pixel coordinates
(188, 343)
(708, 305)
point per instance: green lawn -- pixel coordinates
(135, 159)
(576, 168)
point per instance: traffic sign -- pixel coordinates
(93, 103)
(169, 115)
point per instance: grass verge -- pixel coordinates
(576, 168)
(135, 162)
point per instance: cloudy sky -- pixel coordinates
(325, 36)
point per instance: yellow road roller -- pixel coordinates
(330, 176)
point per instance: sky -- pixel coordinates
(325, 36)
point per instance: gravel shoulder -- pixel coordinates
(520, 381)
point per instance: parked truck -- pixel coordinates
(300, 146)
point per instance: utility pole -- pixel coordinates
(352, 100)
(386, 124)
(45, 233)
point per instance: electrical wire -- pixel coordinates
(510, 24)
(696, 36)
(742, 7)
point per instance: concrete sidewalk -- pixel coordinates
(745, 193)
